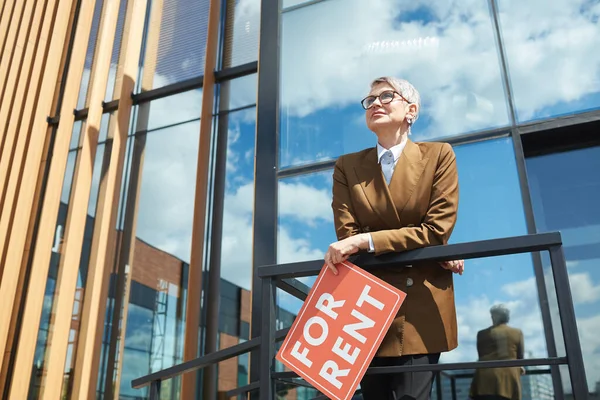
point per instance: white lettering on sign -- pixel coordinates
(364, 296)
(345, 352)
(331, 304)
(365, 322)
(301, 356)
(344, 347)
(331, 372)
(324, 327)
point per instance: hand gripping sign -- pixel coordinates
(339, 329)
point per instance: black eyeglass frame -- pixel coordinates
(362, 102)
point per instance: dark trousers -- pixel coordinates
(402, 386)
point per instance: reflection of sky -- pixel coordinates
(446, 50)
(181, 47)
(236, 250)
(565, 192)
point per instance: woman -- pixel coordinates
(395, 197)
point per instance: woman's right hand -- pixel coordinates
(340, 251)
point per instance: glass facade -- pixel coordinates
(476, 65)
(565, 187)
(448, 53)
(555, 39)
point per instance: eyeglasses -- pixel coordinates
(384, 97)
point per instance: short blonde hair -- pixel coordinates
(405, 88)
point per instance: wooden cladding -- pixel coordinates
(39, 41)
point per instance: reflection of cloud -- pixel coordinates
(459, 77)
(246, 27)
(237, 235)
(304, 203)
(551, 53)
(583, 289)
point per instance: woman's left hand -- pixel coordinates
(456, 266)
(342, 249)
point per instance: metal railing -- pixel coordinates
(283, 277)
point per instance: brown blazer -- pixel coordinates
(499, 342)
(418, 209)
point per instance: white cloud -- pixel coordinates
(583, 289)
(236, 253)
(304, 203)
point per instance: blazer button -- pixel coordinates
(409, 282)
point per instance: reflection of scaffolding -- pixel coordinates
(159, 326)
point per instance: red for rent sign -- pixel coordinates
(339, 329)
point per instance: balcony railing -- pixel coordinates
(284, 276)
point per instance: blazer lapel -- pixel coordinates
(376, 189)
(406, 175)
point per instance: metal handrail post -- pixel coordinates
(438, 385)
(267, 339)
(568, 323)
(155, 390)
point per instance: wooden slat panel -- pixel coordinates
(125, 261)
(10, 59)
(16, 90)
(192, 321)
(27, 86)
(68, 269)
(34, 127)
(6, 21)
(2, 5)
(22, 14)
(47, 222)
(96, 290)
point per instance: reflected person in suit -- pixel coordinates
(397, 196)
(498, 342)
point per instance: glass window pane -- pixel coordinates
(156, 317)
(242, 28)
(237, 93)
(552, 52)
(490, 203)
(115, 57)
(447, 51)
(89, 55)
(171, 110)
(305, 229)
(291, 3)
(236, 250)
(565, 188)
(182, 30)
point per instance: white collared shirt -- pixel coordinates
(397, 152)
